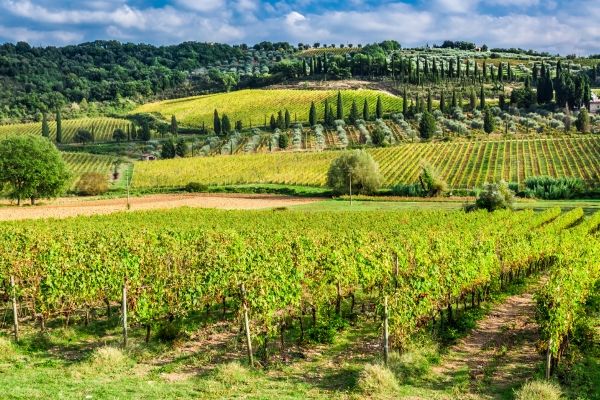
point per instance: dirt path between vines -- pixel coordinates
(70, 207)
(500, 353)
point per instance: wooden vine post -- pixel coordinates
(247, 328)
(549, 360)
(15, 308)
(386, 333)
(124, 312)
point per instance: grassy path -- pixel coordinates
(500, 353)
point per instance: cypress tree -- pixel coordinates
(239, 125)
(45, 127)
(174, 127)
(499, 72)
(379, 108)
(442, 102)
(427, 126)
(501, 101)
(226, 125)
(128, 134)
(481, 99)
(273, 123)
(58, 127)
(287, 119)
(472, 100)
(280, 120)
(312, 114)
(330, 116)
(340, 106)
(454, 103)
(404, 102)
(429, 102)
(217, 123)
(365, 112)
(325, 110)
(488, 121)
(146, 136)
(353, 112)
(583, 121)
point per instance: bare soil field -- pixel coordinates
(70, 207)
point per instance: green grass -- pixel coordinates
(343, 205)
(254, 105)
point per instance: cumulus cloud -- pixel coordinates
(500, 23)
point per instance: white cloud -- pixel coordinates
(202, 5)
(563, 29)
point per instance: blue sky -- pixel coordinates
(555, 25)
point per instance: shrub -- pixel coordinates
(92, 184)
(376, 381)
(196, 187)
(539, 390)
(104, 360)
(431, 184)
(7, 350)
(495, 196)
(168, 331)
(357, 167)
(283, 140)
(549, 188)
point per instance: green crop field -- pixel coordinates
(461, 164)
(253, 106)
(102, 127)
(80, 163)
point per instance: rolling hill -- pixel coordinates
(254, 107)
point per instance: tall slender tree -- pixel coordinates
(379, 108)
(429, 102)
(482, 99)
(217, 123)
(45, 127)
(59, 136)
(287, 119)
(312, 114)
(340, 106)
(353, 112)
(174, 127)
(365, 112)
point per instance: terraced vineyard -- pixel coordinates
(80, 163)
(253, 106)
(102, 127)
(462, 164)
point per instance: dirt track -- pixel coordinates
(70, 207)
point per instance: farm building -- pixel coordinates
(595, 105)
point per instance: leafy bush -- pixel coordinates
(196, 187)
(549, 188)
(539, 390)
(495, 196)
(92, 184)
(168, 331)
(431, 184)
(357, 167)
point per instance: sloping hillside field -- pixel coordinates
(461, 164)
(253, 106)
(102, 127)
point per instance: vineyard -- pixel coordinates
(254, 107)
(80, 163)
(101, 127)
(284, 270)
(462, 164)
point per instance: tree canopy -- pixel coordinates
(31, 167)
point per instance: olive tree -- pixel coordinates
(356, 168)
(495, 196)
(31, 167)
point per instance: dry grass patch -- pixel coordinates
(539, 390)
(376, 381)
